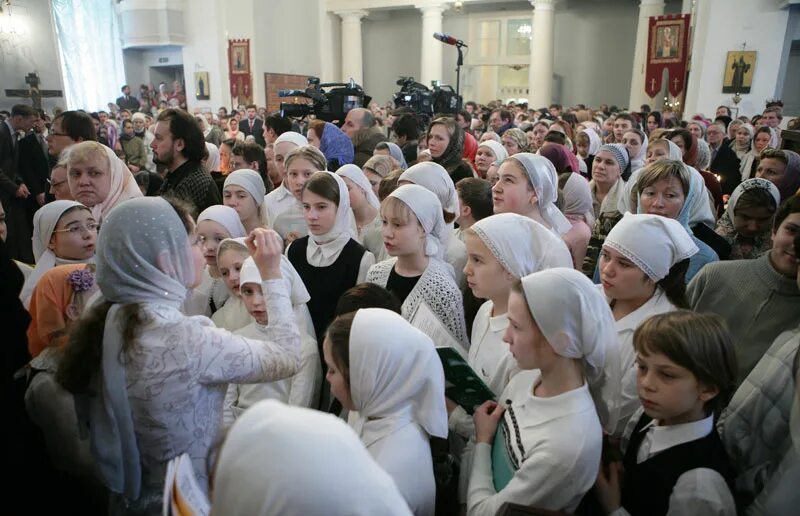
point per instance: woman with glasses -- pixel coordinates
(64, 232)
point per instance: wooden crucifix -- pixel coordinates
(33, 92)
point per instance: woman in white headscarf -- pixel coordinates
(315, 464)
(329, 259)
(642, 273)
(765, 137)
(636, 142)
(502, 249)
(542, 446)
(98, 179)
(157, 395)
(366, 209)
(64, 232)
(489, 152)
(528, 186)
(214, 224)
(212, 161)
(390, 374)
(244, 191)
(579, 213)
(742, 139)
(657, 150)
(301, 389)
(435, 178)
(416, 272)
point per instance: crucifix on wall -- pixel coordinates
(33, 92)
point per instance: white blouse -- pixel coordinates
(233, 315)
(279, 201)
(301, 390)
(699, 491)
(402, 448)
(198, 300)
(178, 372)
(557, 443)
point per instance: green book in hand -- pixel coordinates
(462, 384)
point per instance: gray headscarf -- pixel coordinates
(397, 153)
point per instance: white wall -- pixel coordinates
(206, 51)
(391, 48)
(723, 25)
(35, 51)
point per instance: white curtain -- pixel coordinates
(89, 45)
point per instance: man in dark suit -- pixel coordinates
(253, 125)
(13, 190)
(723, 159)
(33, 168)
(126, 101)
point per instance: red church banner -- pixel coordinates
(239, 67)
(667, 47)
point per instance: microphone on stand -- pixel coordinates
(448, 40)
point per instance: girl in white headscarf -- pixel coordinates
(742, 139)
(542, 446)
(642, 272)
(435, 178)
(244, 191)
(212, 161)
(413, 232)
(301, 389)
(489, 151)
(315, 464)
(765, 137)
(366, 208)
(156, 386)
(98, 179)
(579, 213)
(214, 224)
(636, 142)
(63, 232)
(281, 199)
(231, 254)
(528, 186)
(301, 164)
(329, 259)
(389, 372)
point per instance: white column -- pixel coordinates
(432, 50)
(541, 71)
(647, 8)
(352, 61)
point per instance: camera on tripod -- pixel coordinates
(425, 101)
(330, 106)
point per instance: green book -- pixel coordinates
(462, 384)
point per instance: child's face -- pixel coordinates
(486, 277)
(523, 336)
(253, 299)
(240, 200)
(670, 393)
(297, 174)
(402, 237)
(210, 234)
(319, 212)
(622, 279)
(340, 388)
(356, 194)
(493, 174)
(230, 263)
(512, 192)
(783, 255)
(75, 235)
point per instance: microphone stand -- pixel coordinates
(459, 63)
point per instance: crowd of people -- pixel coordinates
(270, 299)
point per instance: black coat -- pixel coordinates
(257, 132)
(18, 240)
(131, 103)
(726, 164)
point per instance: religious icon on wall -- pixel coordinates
(739, 68)
(201, 91)
(667, 41)
(240, 57)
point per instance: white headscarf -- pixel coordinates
(212, 163)
(435, 178)
(522, 245)
(594, 141)
(251, 181)
(143, 256)
(624, 201)
(576, 320)
(123, 186)
(751, 184)
(314, 463)
(293, 137)
(500, 152)
(397, 370)
(652, 242)
(226, 217)
(354, 174)
(542, 175)
(638, 160)
(578, 198)
(45, 221)
(428, 210)
(297, 289)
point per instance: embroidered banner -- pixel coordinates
(667, 47)
(239, 66)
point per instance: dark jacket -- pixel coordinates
(364, 143)
(257, 131)
(193, 184)
(18, 239)
(131, 103)
(726, 164)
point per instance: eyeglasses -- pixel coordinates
(55, 185)
(91, 227)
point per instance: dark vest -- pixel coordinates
(648, 486)
(326, 284)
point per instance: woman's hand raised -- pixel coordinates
(266, 247)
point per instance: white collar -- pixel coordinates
(665, 437)
(318, 253)
(658, 303)
(281, 192)
(498, 322)
(534, 410)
